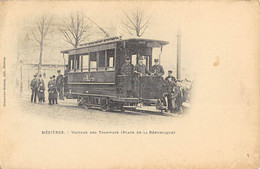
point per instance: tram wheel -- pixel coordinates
(106, 106)
(86, 106)
(79, 101)
(122, 109)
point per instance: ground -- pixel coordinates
(68, 110)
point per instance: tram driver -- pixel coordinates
(157, 69)
(140, 68)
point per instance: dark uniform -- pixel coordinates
(59, 83)
(141, 69)
(52, 91)
(170, 83)
(176, 96)
(55, 94)
(128, 70)
(157, 70)
(172, 77)
(34, 89)
(41, 90)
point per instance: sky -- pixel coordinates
(207, 31)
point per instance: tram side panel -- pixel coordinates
(94, 83)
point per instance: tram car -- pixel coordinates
(94, 78)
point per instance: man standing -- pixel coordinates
(55, 94)
(60, 86)
(157, 69)
(50, 90)
(34, 88)
(140, 68)
(128, 70)
(170, 83)
(170, 76)
(41, 89)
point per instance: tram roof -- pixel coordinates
(114, 40)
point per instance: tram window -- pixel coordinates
(93, 61)
(134, 60)
(85, 62)
(71, 63)
(76, 63)
(110, 58)
(101, 58)
(111, 62)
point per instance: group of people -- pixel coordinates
(174, 91)
(55, 88)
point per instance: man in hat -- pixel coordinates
(170, 76)
(59, 82)
(177, 102)
(55, 94)
(157, 69)
(50, 90)
(34, 88)
(140, 68)
(128, 70)
(170, 83)
(41, 89)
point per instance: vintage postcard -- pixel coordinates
(129, 84)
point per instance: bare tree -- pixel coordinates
(43, 25)
(136, 22)
(75, 30)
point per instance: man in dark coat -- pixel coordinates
(55, 94)
(157, 69)
(41, 90)
(128, 70)
(170, 83)
(34, 88)
(59, 82)
(170, 76)
(140, 68)
(176, 96)
(51, 90)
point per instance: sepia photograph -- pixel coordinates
(130, 84)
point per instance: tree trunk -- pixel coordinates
(40, 59)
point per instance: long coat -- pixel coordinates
(128, 70)
(141, 69)
(52, 90)
(41, 88)
(157, 70)
(34, 84)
